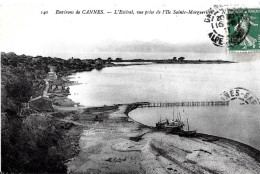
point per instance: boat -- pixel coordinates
(171, 126)
(187, 133)
(161, 124)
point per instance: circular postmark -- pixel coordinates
(218, 26)
(216, 17)
(242, 95)
(229, 27)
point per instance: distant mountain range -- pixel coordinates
(157, 46)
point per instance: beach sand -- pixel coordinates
(111, 142)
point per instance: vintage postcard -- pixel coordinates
(130, 86)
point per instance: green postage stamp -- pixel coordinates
(243, 29)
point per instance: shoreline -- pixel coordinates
(205, 137)
(96, 125)
(129, 108)
(100, 139)
(106, 140)
(135, 142)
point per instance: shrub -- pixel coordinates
(33, 146)
(41, 144)
(19, 89)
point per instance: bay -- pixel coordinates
(176, 83)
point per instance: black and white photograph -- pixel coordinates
(130, 86)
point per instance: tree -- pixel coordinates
(181, 59)
(98, 62)
(109, 60)
(19, 89)
(174, 58)
(118, 59)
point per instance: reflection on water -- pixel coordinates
(237, 122)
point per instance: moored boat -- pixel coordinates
(172, 126)
(187, 133)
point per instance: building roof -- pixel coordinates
(58, 82)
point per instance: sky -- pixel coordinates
(24, 30)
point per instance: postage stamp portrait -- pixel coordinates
(243, 29)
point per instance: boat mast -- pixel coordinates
(188, 125)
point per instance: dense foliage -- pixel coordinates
(33, 143)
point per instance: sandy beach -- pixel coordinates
(111, 142)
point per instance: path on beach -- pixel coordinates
(119, 113)
(70, 121)
(46, 88)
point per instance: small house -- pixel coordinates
(57, 86)
(57, 89)
(52, 76)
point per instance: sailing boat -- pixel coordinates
(175, 125)
(187, 133)
(161, 124)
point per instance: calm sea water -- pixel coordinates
(175, 82)
(237, 122)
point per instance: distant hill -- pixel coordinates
(157, 46)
